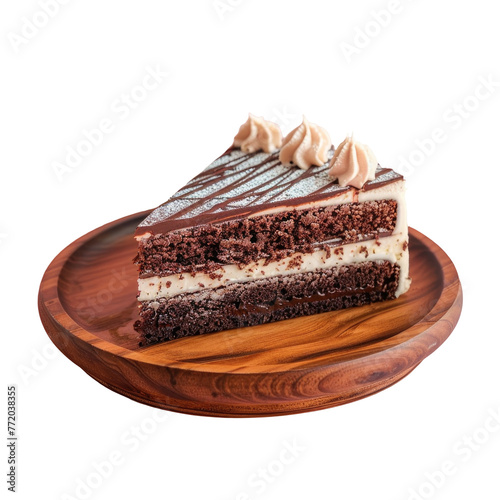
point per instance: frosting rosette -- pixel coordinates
(353, 163)
(256, 134)
(306, 145)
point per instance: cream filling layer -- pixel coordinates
(392, 248)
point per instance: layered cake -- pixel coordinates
(273, 229)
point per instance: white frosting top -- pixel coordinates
(353, 163)
(257, 133)
(306, 145)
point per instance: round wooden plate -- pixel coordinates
(87, 304)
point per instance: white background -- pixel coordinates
(419, 72)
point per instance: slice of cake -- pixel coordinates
(272, 230)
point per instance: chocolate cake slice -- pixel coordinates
(254, 239)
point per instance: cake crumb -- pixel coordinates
(215, 276)
(295, 262)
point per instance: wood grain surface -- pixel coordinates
(87, 304)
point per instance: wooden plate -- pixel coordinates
(87, 304)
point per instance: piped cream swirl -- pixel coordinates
(306, 145)
(353, 163)
(256, 134)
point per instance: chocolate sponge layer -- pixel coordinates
(271, 237)
(267, 300)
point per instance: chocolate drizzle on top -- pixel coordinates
(241, 184)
